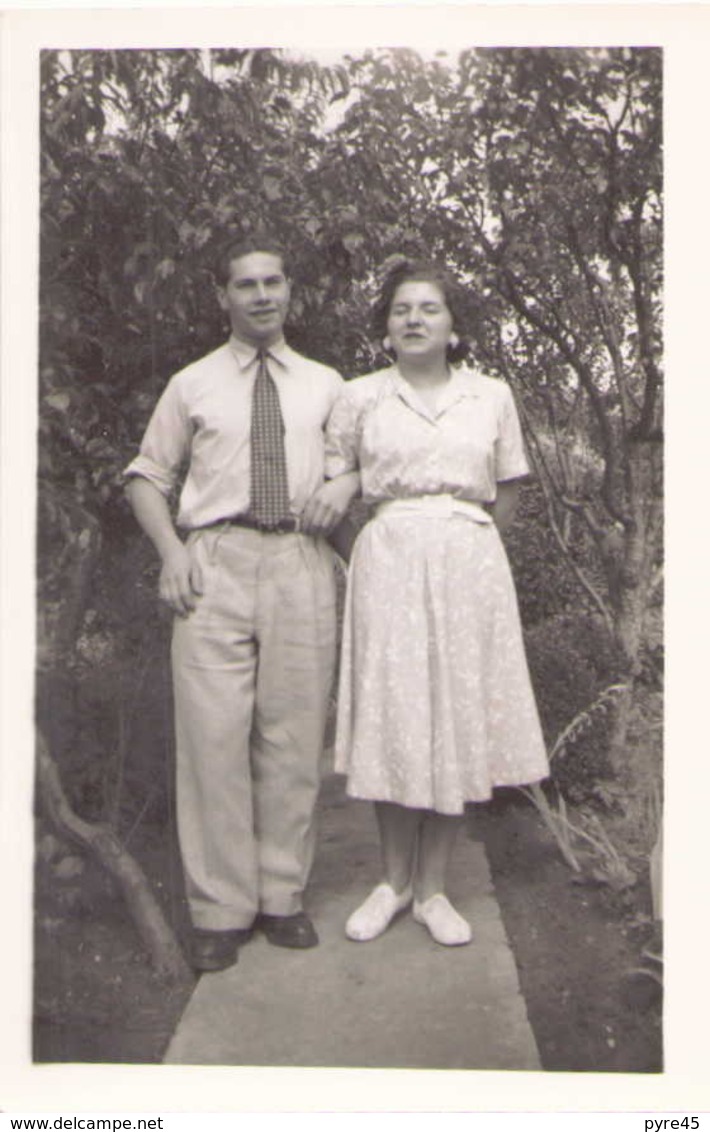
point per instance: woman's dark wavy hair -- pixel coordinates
(422, 271)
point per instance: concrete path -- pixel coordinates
(401, 1001)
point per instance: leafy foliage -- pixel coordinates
(571, 663)
(535, 173)
(545, 583)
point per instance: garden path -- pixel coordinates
(400, 1001)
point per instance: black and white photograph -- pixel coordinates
(347, 552)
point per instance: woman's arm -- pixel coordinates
(506, 504)
(327, 506)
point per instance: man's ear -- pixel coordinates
(222, 297)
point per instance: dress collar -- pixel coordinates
(462, 383)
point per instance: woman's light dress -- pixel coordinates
(435, 706)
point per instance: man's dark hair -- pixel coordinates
(239, 246)
(423, 271)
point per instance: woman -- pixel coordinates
(435, 705)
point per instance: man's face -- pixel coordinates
(256, 297)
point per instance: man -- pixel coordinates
(253, 590)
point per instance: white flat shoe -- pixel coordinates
(445, 924)
(374, 916)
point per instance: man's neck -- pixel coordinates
(258, 344)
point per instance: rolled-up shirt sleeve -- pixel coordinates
(342, 436)
(166, 442)
(510, 459)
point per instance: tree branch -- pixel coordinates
(648, 424)
(579, 574)
(512, 291)
(544, 482)
(598, 301)
(102, 842)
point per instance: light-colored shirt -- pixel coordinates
(203, 420)
(465, 448)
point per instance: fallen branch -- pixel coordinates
(102, 842)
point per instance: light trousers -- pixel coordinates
(252, 676)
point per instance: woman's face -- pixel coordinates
(419, 323)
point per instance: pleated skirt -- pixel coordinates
(435, 705)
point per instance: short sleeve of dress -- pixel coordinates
(342, 435)
(510, 459)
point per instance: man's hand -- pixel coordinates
(328, 504)
(180, 578)
(181, 581)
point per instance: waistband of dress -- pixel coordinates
(441, 506)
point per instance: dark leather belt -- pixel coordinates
(284, 527)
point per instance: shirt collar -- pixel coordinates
(246, 353)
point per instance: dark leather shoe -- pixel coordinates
(215, 951)
(289, 931)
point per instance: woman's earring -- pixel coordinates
(387, 343)
(454, 341)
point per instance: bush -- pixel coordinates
(545, 583)
(105, 707)
(572, 661)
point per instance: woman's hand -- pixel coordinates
(327, 506)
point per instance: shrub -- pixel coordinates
(571, 662)
(545, 583)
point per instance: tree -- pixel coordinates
(537, 174)
(134, 191)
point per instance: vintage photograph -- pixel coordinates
(349, 682)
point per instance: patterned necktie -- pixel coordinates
(269, 478)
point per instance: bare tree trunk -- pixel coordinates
(628, 625)
(632, 578)
(100, 839)
(618, 740)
